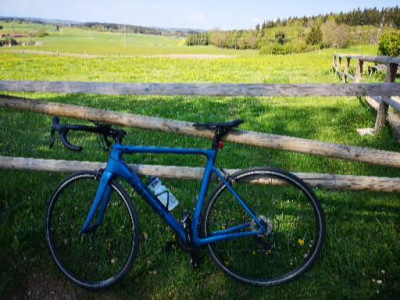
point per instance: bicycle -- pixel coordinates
(261, 226)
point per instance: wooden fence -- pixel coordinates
(380, 157)
(384, 101)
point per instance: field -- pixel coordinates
(75, 40)
(360, 259)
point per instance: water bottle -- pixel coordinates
(162, 193)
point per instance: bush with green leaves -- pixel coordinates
(334, 35)
(275, 48)
(314, 37)
(280, 37)
(389, 44)
(299, 46)
(9, 41)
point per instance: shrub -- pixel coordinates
(29, 43)
(314, 37)
(42, 32)
(299, 46)
(280, 37)
(287, 48)
(266, 49)
(389, 44)
(275, 48)
(8, 41)
(312, 48)
(334, 35)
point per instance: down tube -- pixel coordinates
(121, 169)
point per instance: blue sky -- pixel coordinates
(199, 14)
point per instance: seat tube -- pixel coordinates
(203, 193)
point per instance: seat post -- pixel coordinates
(219, 134)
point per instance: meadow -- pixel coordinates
(84, 41)
(360, 259)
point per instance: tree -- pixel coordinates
(389, 44)
(334, 35)
(314, 37)
(280, 37)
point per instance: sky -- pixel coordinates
(196, 14)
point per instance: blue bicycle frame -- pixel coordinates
(116, 167)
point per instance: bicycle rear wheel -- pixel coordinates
(286, 207)
(100, 258)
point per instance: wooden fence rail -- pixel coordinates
(391, 71)
(325, 181)
(271, 141)
(253, 90)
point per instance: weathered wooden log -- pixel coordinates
(394, 104)
(359, 71)
(254, 90)
(272, 141)
(346, 69)
(375, 59)
(325, 181)
(392, 118)
(383, 106)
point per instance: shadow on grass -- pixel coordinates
(362, 227)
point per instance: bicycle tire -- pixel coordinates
(94, 260)
(289, 246)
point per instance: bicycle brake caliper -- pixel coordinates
(227, 176)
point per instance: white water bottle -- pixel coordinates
(162, 193)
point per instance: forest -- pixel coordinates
(302, 34)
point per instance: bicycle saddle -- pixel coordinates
(218, 126)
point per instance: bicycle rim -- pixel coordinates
(101, 258)
(286, 207)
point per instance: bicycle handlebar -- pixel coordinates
(104, 130)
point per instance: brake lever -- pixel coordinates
(53, 138)
(54, 127)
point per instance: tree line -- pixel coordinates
(299, 34)
(102, 26)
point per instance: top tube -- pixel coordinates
(119, 149)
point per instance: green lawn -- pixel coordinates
(83, 41)
(360, 259)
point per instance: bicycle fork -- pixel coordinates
(102, 198)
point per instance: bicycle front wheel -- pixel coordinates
(102, 257)
(289, 211)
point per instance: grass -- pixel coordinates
(83, 41)
(312, 67)
(360, 258)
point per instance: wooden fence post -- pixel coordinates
(346, 69)
(338, 65)
(334, 63)
(359, 71)
(383, 106)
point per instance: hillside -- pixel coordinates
(302, 34)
